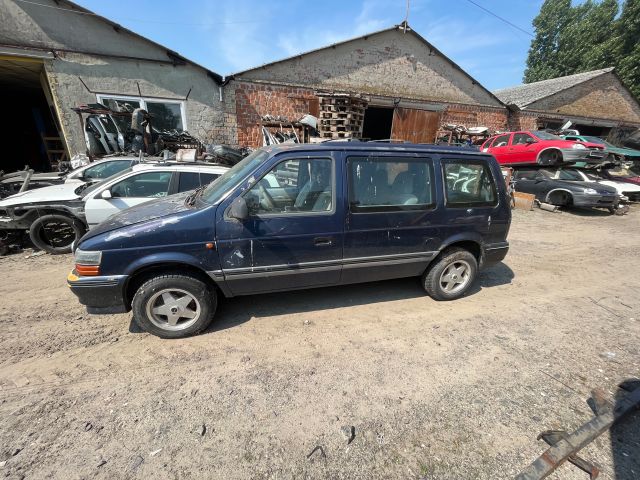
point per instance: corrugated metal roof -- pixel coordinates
(526, 94)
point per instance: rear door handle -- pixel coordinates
(323, 241)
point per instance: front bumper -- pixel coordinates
(584, 200)
(101, 294)
(581, 155)
(493, 253)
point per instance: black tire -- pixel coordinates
(550, 157)
(55, 233)
(433, 276)
(204, 302)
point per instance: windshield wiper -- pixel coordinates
(191, 198)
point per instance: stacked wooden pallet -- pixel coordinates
(341, 116)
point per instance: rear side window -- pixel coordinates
(469, 184)
(501, 141)
(387, 184)
(192, 180)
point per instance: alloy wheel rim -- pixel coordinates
(455, 277)
(173, 309)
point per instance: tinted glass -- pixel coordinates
(192, 180)
(390, 184)
(106, 169)
(294, 186)
(469, 184)
(147, 184)
(526, 174)
(501, 141)
(542, 135)
(569, 175)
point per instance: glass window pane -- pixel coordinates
(294, 186)
(148, 184)
(521, 138)
(165, 116)
(389, 184)
(469, 184)
(121, 105)
(501, 141)
(106, 169)
(192, 180)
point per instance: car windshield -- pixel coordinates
(570, 175)
(218, 189)
(94, 184)
(542, 135)
(596, 140)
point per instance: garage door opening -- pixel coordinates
(29, 132)
(377, 123)
(592, 130)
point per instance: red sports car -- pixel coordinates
(540, 147)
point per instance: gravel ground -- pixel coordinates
(433, 390)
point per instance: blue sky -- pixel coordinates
(227, 36)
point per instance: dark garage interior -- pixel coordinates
(377, 123)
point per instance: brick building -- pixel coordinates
(597, 103)
(55, 55)
(407, 86)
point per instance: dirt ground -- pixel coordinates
(455, 390)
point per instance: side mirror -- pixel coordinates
(106, 195)
(239, 209)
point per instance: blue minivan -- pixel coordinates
(296, 216)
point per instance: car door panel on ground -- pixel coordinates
(390, 223)
(128, 192)
(294, 234)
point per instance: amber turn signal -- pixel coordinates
(87, 270)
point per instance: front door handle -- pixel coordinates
(323, 241)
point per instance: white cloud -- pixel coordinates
(368, 20)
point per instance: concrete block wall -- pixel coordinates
(207, 118)
(253, 100)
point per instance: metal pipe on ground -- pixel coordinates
(568, 445)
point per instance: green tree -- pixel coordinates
(542, 62)
(587, 36)
(628, 51)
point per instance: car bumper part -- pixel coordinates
(583, 200)
(100, 294)
(493, 253)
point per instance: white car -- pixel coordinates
(98, 170)
(626, 190)
(57, 215)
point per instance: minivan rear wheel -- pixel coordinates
(451, 276)
(174, 306)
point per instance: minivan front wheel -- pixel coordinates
(174, 306)
(451, 276)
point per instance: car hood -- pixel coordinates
(601, 189)
(146, 212)
(54, 193)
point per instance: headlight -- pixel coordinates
(578, 146)
(84, 257)
(590, 191)
(87, 263)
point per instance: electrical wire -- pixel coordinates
(501, 19)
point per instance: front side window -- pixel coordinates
(147, 184)
(501, 141)
(473, 186)
(106, 169)
(387, 184)
(569, 175)
(521, 139)
(294, 186)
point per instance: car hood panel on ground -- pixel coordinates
(55, 193)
